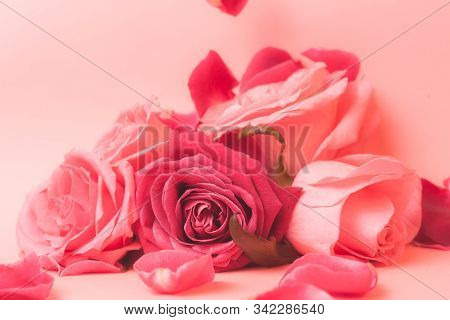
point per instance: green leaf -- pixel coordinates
(264, 252)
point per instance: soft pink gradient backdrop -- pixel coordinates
(51, 100)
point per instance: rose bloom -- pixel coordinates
(188, 195)
(138, 130)
(364, 206)
(81, 219)
(315, 103)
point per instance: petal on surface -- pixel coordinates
(24, 280)
(169, 271)
(335, 275)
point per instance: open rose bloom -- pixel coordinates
(318, 108)
(364, 206)
(197, 193)
(81, 219)
(139, 130)
(187, 197)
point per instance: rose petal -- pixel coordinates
(268, 65)
(169, 271)
(88, 266)
(211, 82)
(363, 217)
(335, 275)
(357, 118)
(24, 280)
(233, 7)
(365, 205)
(301, 291)
(435, 229)
(336, 60)
(180, 121)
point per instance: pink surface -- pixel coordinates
(52, 100)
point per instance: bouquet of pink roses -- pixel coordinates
(268, 171)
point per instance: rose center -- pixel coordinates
(205, 220)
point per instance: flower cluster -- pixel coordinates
(267, 169)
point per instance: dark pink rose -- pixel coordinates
(314, 103)
(138, 130)
(24, 280)
(435, 229)
(233, 7)
(187, 197)
(81, 219)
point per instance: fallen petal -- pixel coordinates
(88, 266)
(170, 271)
(333, 274)
(24, 280)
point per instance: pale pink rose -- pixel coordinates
(24, 280)
(364, 206)
(139, 130)
(81, 219)
(170, 271)
(319, 108)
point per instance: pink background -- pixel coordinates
(52, 100)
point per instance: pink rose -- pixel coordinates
(319, 108)
(24, 280)
(435, 229)
(364, 206)
(138, 130)
(233, 7)
(81, 219)
(188, 196)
